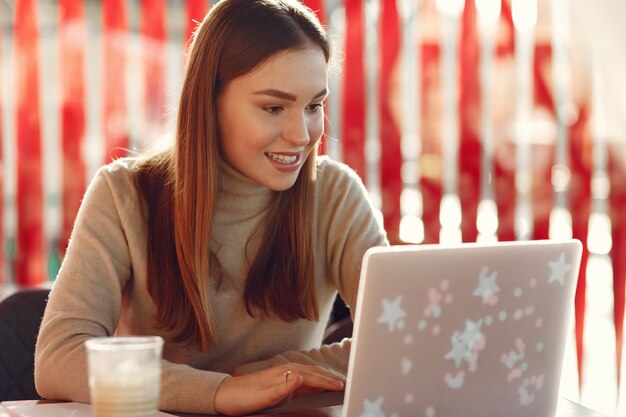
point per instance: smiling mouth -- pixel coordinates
(282, 158)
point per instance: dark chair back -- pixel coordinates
(20, 318)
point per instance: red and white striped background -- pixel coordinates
(83, 81)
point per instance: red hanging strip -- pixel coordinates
(390, 137)
(469, 112)
(506, 45)
(504, 177)
(30, 260)
(617, 202)
(196, 10)
(542, 193)
(72, 42)
(153, 40)
(430, 180)
(114, 44)
(579, 204)
(353, 107)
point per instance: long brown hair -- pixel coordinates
(181, 185)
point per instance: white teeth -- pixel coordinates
(285, 159)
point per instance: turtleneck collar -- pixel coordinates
(238, 193)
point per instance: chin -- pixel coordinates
(280, 187)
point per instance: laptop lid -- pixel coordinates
(469, 330)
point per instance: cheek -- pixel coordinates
(316, 129)
(244, 134)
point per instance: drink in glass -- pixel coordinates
(124, 375)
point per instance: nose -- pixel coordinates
(296, 130)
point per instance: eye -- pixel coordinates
(273, 110)
(315, 107)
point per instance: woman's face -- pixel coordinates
(271, 118)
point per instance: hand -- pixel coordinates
(245, 394)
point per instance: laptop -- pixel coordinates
(470, 330)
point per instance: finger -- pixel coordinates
(286, 374)
(319, 370)
(283, 391)
(290, 380)
(243, 395)
(320, 381)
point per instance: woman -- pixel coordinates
(231, 245)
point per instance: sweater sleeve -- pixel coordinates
(351, 227)
(86, 301)
(347, 227)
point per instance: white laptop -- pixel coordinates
(470, 330)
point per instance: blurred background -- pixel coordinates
(468, 120)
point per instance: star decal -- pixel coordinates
(467, 345)
(487, 287)
(558, 270)
(372, 408)
(392, 313)
(458, 349)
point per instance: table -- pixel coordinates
(565, 408)
(328, 405)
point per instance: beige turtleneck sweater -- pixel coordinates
(101, 286)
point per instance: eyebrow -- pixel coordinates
(284, 95)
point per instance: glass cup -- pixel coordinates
(124, 375)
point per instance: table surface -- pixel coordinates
(328, 405)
